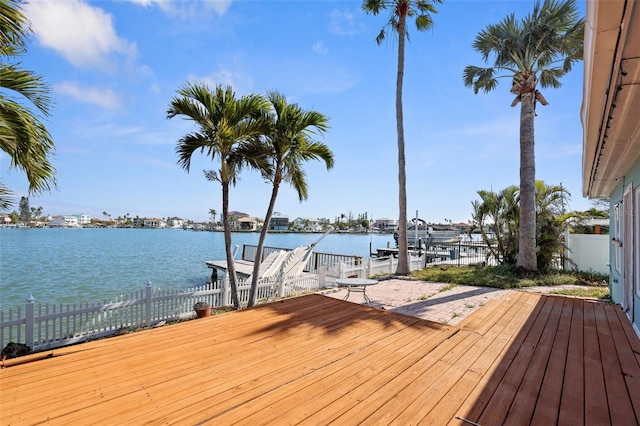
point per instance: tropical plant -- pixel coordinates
(550, 222)
(25, 210)
(22, 135)
(400, 10)
(541, 48)
(497, 216)
(288, 144)
(226, 126)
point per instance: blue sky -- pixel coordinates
(114, 66)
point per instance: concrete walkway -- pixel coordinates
(443, 303)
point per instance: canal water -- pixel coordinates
(94, 265)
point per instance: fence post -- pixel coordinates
(369, 268)
(226, 293)
(281, 286)
(29, 318)
(391, 264)
(147, 305)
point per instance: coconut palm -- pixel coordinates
(225, 127)
(541, 48)
(288, 145)
(22, 135)
(400, 10)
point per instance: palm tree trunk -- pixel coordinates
(527, 237)
(231, 266)
(263, 234)
(403, 250)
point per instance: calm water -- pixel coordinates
(90, 265)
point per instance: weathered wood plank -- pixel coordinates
(501, 401)
(526, 397)
(595, 397)
(630, 367)
(620, 408)
(493, 368)
(548, 404)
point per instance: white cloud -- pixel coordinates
(184, 9)
(345, 23)
(320, 48)
(105, 98)
(240, 81)
(84, 35)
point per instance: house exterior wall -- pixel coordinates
(619, 245)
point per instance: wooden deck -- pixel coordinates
(523, 359)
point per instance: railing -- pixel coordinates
(316, 261)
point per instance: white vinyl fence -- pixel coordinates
(587, 252)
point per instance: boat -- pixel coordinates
(422, 234)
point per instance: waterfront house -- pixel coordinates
(385, 224)
(611, 140)
(155, 223)
(175, 222)
(279, 222)
(66, 221)
(249, 223)
(308, 224)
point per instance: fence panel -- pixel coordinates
(588, 252)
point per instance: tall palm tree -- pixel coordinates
(225, 127)
(400, 11)
(22, 135)
(288, 144)
(541, 48)
(213, 214)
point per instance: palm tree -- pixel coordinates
(22, 135)
(497, 214)
(225, 126)
(213, 214)
(288, 144)
(400, 11)
(540, 48)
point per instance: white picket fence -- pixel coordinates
(47, 326)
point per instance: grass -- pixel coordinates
(592, 292)
(504, 277)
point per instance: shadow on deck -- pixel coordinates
(520, 359)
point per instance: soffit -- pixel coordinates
(611, 114)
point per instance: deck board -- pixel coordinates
(317, 360)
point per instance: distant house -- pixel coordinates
(66, 221)
(175, 222)
(385, 225)
(308, 224)
(611, 138)
(279, 222)
(249, 223)
(155, 223)
(83, 219)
